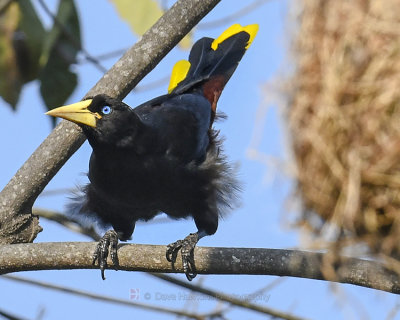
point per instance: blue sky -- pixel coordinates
(261, 221)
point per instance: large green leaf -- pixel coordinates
(142, 14)
(21, 39)
(33, 32)
(60, 51)
(57, 82)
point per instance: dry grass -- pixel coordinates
(344, 118)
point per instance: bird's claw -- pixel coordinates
(109, 240)
(186, 246)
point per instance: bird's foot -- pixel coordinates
(109, 240)
(186, 246)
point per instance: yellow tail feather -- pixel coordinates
(181, 68)
(179, 72)
(234, 29)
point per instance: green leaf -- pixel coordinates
(10, 82)
(60, 51)
(141, 15)
(32, 34)
(58, 82)
(21, 40)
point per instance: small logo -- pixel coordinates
(147, 296)
(134, 294)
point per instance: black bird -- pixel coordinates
(162, 156)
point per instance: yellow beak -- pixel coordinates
(77, 112)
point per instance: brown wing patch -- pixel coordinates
(212, 90)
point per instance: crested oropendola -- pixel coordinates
(164, 155)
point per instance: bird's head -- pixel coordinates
(104, 120)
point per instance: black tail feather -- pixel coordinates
(207, 63)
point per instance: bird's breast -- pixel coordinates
(149, 183)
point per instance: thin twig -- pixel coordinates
(56, 192)
(269, 286)
(260, 291)
(111, 54)
(232, 17)
(227, 298)
(67, 222)
(152, 85)
(9, 316)
(103, 298)
(227, 19)
(393, 313)
(77, 226)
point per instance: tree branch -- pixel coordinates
(108, 299)
(67, 222)
(151, 258)
(17, 224)
(233, 16)
(227, 298)
(9, 316)
(77, 227)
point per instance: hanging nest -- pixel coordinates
(344, 119)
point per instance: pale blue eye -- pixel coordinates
(106, 110)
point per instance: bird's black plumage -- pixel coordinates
(162, 156)
(156, 158)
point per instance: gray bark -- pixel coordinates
(151, 258)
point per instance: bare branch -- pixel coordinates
(67, 222)
(151, 258)
(111, 54)
(56, 192)
(152, 85)
(77, 226)
(9, 316)
(17, 224)
(103, 298)
(232, 17)
(227, 298)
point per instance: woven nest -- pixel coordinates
(344, 118)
